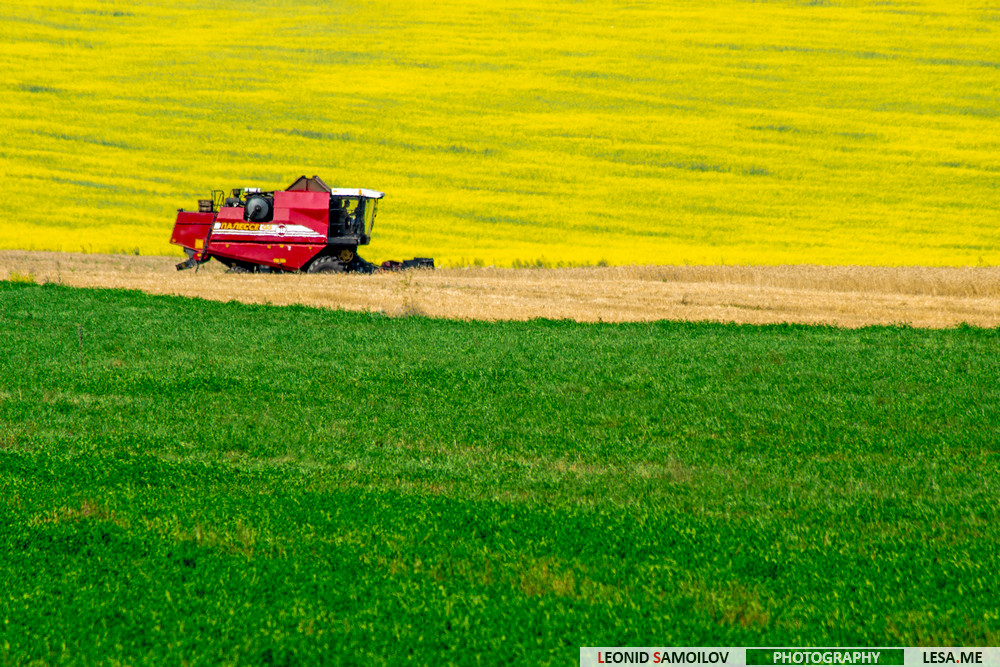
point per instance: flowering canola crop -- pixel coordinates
(521, 133)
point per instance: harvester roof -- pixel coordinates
(356, 192)
(316, 184)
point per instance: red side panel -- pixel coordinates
(191, 229)
(308, 209)
(231, 213)
(295, 235)
(288, 256)
(299, 217)
(230, 226)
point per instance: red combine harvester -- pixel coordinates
(308, 227)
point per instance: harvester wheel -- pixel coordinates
(327, 264)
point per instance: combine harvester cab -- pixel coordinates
(307, 227)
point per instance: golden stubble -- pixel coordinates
(847, 296)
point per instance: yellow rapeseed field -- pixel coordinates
(522, 132)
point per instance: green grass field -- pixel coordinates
(225, 483)
(825, 132)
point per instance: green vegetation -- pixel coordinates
(223, 483)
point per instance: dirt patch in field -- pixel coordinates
(848, 296)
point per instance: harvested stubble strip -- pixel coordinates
(848, 296)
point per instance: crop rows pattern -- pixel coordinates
(521, 133)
